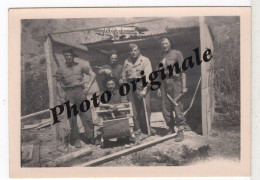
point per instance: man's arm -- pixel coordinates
(59, 90)
(92, 79)
(88, 71)
(123, 80)
(183, 74)
(147, 72)
(105, 70)
(183, 78)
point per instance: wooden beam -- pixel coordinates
(65, 158)
(38, 126)
(207, 97)
(35, 114)
(51, 85)
(126, 151)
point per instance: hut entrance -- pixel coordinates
(198, 117)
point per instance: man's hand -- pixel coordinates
(108, 72)
(159, 93)
(143, 93)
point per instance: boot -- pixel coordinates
(153, 132)
(91, 141)
(170, 130)
(138, 132)
(78, 144)
(180, 136)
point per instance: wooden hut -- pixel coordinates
(186, 40)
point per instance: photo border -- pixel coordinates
(233, 169)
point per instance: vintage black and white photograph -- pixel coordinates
(130, 91)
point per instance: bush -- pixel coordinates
(27, 66)
(42, 61)
(227, 70)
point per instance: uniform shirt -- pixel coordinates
(133, 70)
(172, 57)
(117, 98)
(72, 76)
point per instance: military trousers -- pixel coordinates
(75, 96)
(172, 87)
(139, 110)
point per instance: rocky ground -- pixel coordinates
(223, 142)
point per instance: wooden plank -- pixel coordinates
(207, 97)
(126, 151)
(50, 50)
(34, 114)
(65, 158)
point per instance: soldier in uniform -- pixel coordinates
(71, 86)
(173, 86)
(133, 66)
(113, 68)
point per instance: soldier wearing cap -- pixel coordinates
(133, 66)
(71, 86)
(172, 86)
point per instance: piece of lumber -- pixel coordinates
(46, 122)
(35, 114)
(44, 125)
(122, 109)
(30, 126)
(27, 153)
(206, 97)
(126, 152)
(65, 158)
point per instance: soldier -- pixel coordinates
(113, 68)
(132, 69)
(173, 86)
(71, 86)
(111, 84)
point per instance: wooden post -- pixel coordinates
(52, 89)
(207, 91)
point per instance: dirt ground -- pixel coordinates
(223, 142)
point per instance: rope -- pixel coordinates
(192, 100)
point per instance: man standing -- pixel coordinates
(172, 86)
(72, 87)
(113, 68)
(132, 70)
